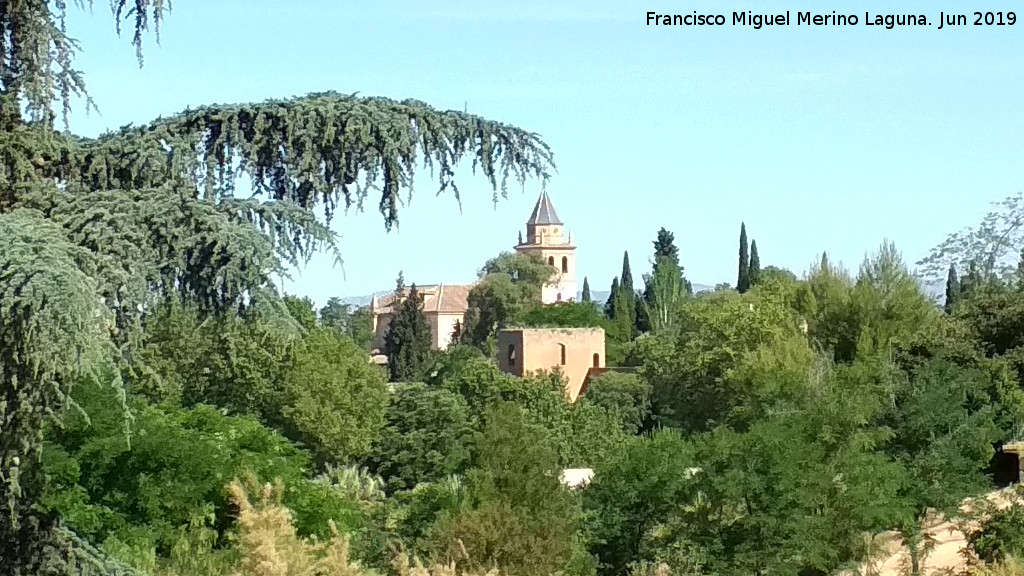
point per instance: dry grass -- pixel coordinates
(1008, 567)
(269, 545)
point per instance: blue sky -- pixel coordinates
(829, 138)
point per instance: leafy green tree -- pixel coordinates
(232, 362)
(97, 230)
(887, 303)
(429, 436)
(139, 491)
(666, 292)
(336, 315)
(336, 401)
(943, 431)
(743, 275)
(754, 270)
(465, 371)
(825, 302)
(952, 289)
(509, 285)
(586, 290)
(777, 273)
(1000, 536)
(400, 283)
(360, 327)
(623, 394)
(992, 245)
(667, 272)
(520, 518)
(804, 480)
(690, 374)
(302, 310)
(641, 488)
(407, 342)
(564, 315)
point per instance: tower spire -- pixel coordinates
(543, 213)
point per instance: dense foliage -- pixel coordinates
(164, 410)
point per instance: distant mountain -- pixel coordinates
(596, 295)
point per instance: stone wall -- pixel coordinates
(573, 350)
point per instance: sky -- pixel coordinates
(819, 139)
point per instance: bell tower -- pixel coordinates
(545, 237)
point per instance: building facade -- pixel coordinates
(444, 305)
(545, 237)
(575, 351)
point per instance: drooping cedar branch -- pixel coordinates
(327, 149)
(37, 54)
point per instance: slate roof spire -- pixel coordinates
(543, 212)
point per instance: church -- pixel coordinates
(575, 351)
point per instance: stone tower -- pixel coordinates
(545, 237)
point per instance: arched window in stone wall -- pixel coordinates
(561, 354)
(565, 264)
(511, 354)
(597, 360)
(558, 297)
(551, 260)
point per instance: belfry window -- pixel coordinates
(551, 260)
(597, 360)
(565, 264)
(561, 354)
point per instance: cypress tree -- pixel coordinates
(456, 334)
(970, 281)
(754, 270)
(586, 290)
(625, 312)
(743, 275)
(952, 289)
(609, 306)
(626, 278)
(407, 342)
(1020, 271)
(400, 283)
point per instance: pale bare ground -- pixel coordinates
(946, 554)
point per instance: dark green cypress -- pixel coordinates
(952, 289)
(1020, 271)
(609, 306)
(970, 281)
(743, 274)
(586, 290)
(407, 343)
(626, 278)
(626, 312)
(754, 270)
